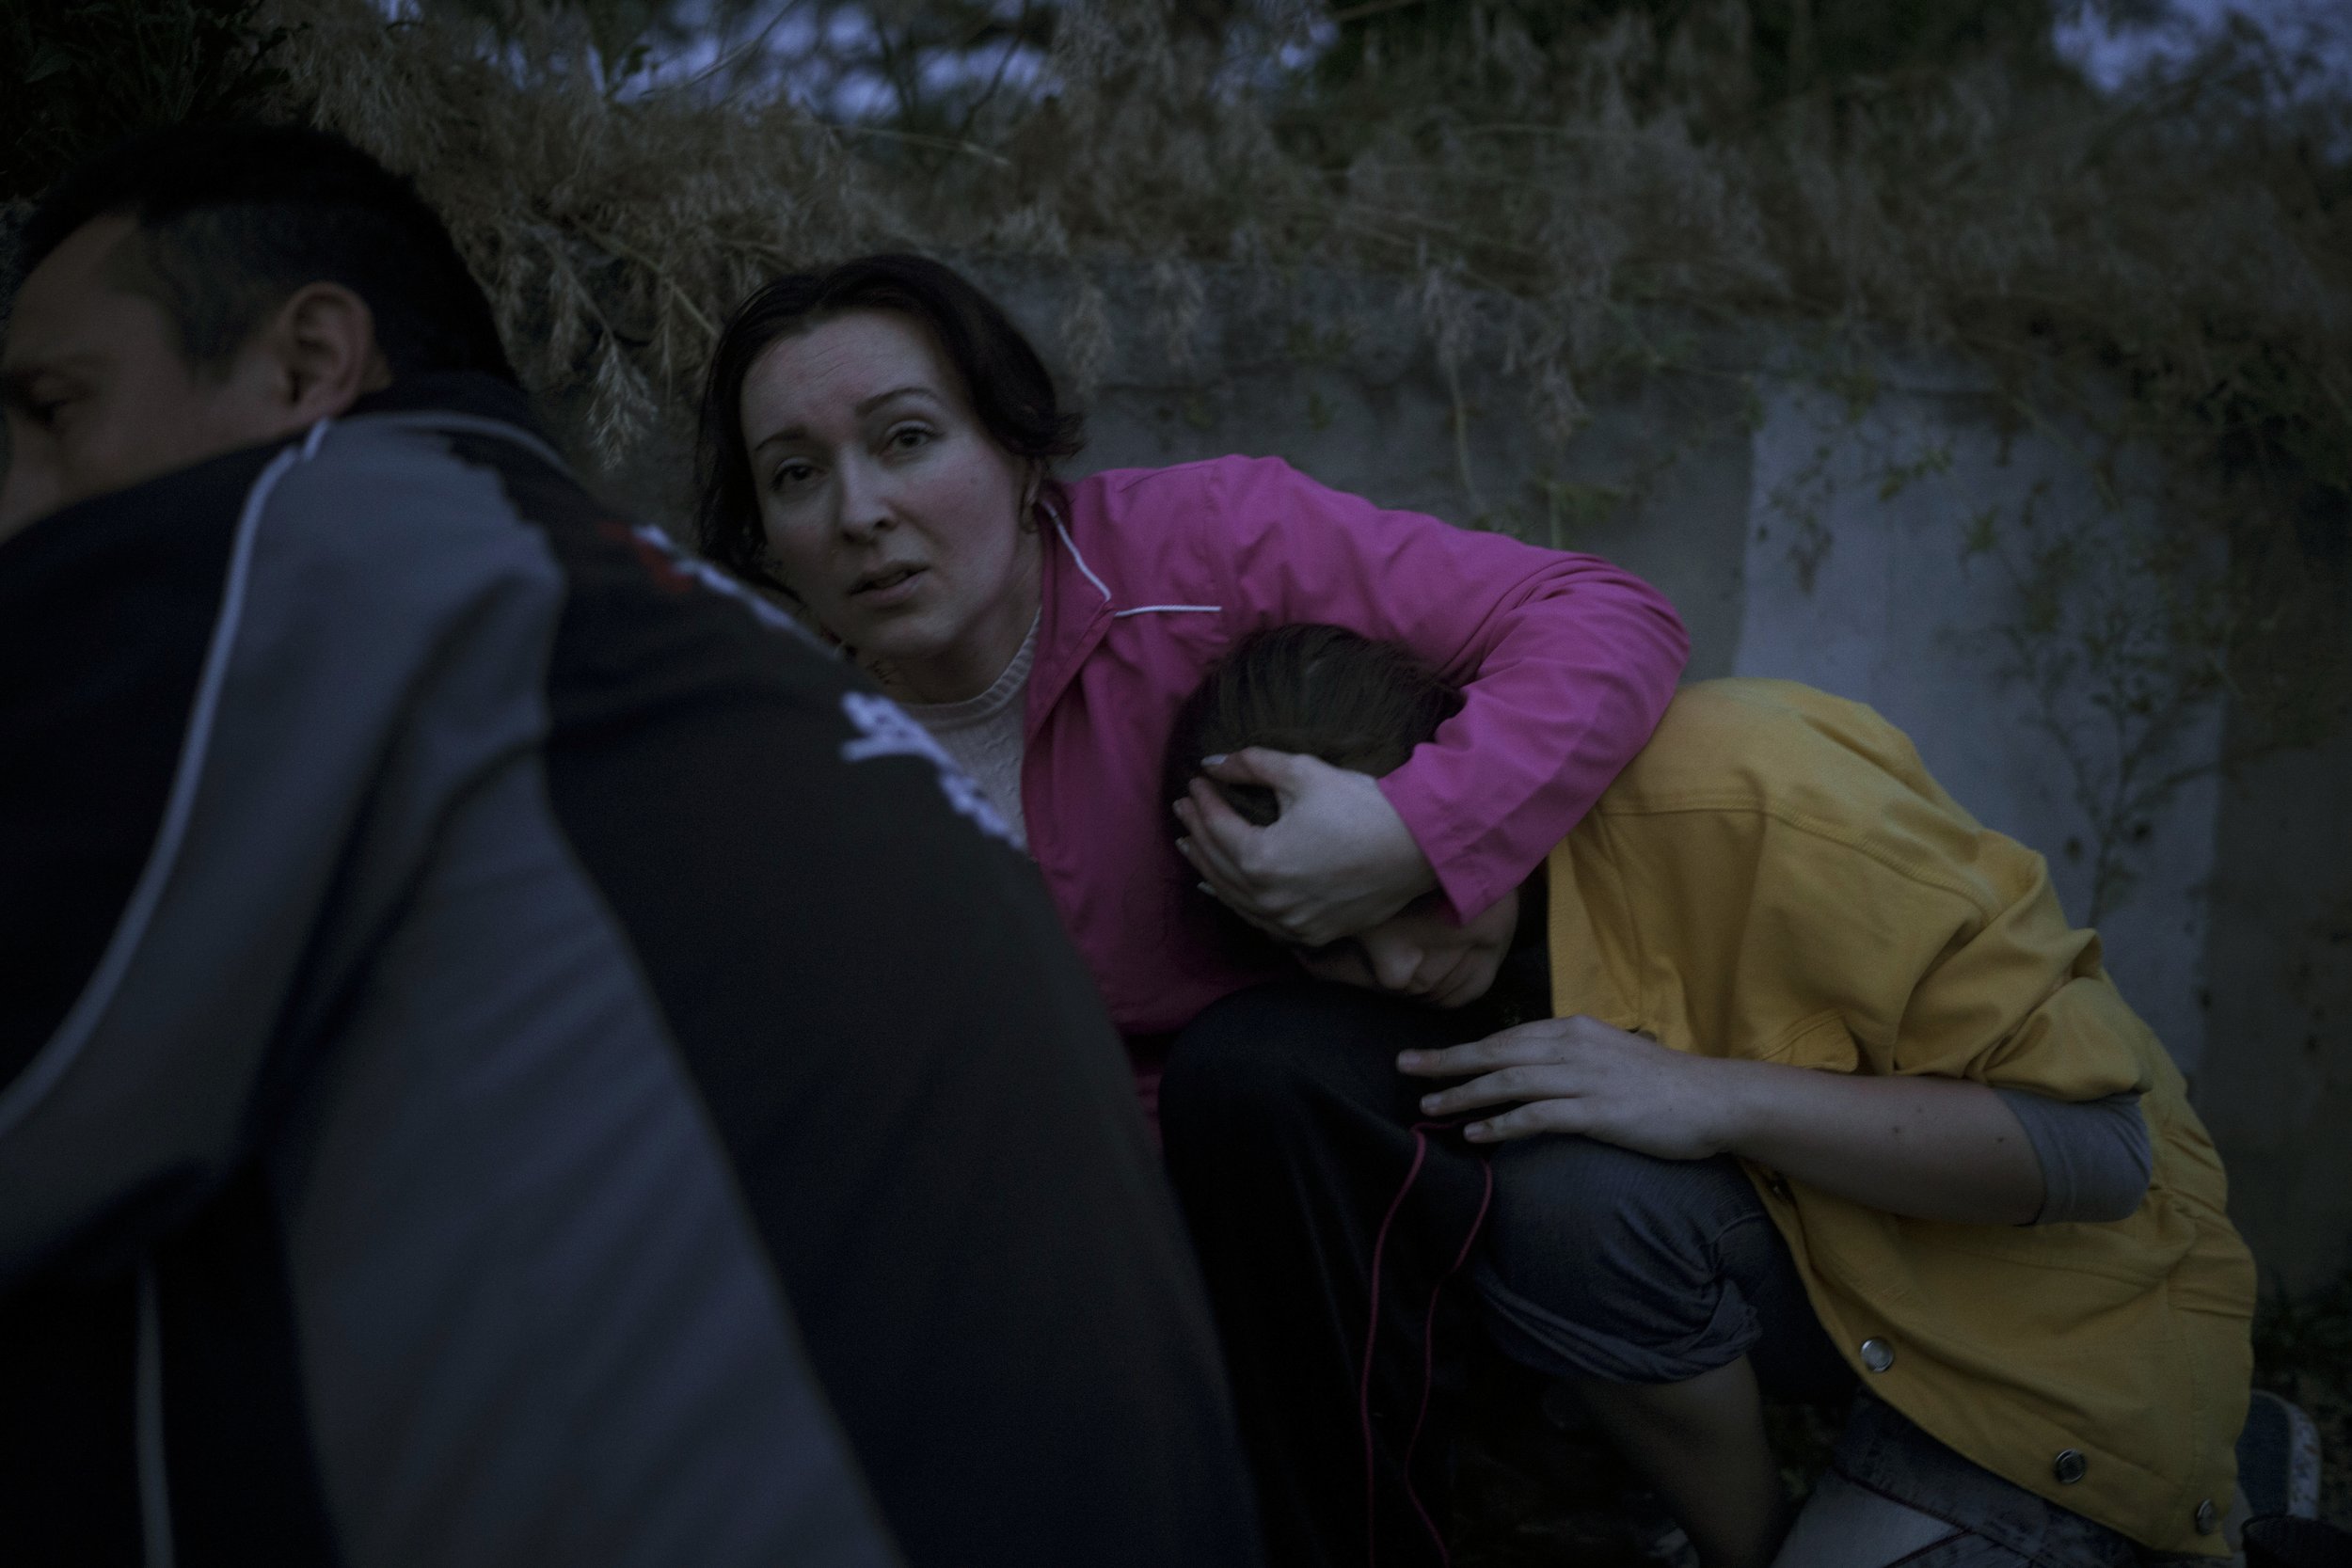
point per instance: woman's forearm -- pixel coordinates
(1566, 661)
(1934, 1148)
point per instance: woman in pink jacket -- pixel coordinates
(877, 442)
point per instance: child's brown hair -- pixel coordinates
(1324, 692)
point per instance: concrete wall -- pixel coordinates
(2278, 1095)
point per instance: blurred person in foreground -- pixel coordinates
(507, 1054)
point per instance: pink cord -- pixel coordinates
(1428, 1346)
(1371, 1333)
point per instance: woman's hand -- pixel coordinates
(1579, 1075)
(1338, 860)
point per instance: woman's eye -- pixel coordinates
(907, 438)
(790, 474)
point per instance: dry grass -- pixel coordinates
(1534, 200)
(1568, 177)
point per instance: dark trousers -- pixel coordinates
(1289, 1133)
(1302, 1160)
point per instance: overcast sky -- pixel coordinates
(2111, 55)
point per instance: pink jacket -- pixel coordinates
(1151, 574)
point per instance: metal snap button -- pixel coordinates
(2207, 1517)
(2069, 1466)
(1877, 1355)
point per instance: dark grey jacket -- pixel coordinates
(511, 1057)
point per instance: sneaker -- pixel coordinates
(2277, 1458)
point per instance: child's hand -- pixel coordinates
(1579, 1075)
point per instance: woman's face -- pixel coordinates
(890, 511)
(1418, 952)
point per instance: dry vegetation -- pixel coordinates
(1943, 178)
(2175, 235)
(1533, 178)
(1532, 174)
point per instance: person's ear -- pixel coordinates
(322, 353)
(1032, 487)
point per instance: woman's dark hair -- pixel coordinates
(1005, 381)
(1324, 692)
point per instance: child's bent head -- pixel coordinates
(1320, 691)
(1330, 693)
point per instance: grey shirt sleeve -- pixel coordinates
(2095, 1154)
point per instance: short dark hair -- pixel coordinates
(233, 219)
(1008, 386)
(1324, 692)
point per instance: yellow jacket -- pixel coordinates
(1776, 878)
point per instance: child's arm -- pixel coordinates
(1934, 1148)
(1931, 1147)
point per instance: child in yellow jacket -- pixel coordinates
(1817, 1090)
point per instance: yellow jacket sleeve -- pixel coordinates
(1768, 880)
